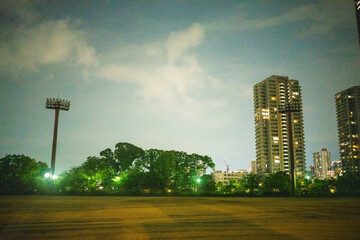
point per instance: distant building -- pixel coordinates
(348, 122)
(219, 176)
(312, 169)
(335, 166)
(252, 166)
(271, 128)
(322, 162)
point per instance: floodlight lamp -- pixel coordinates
(47, 175)
(56, 103)
(198, 180)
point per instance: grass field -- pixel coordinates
(45, 217)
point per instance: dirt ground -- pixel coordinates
(61, 217)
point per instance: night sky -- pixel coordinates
(167, 74)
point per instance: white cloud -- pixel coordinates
(32, 44)
(167, 73)
(179, 42)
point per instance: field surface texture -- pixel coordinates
(60, 217)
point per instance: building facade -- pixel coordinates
(225, 177)
(336, 168)
(252, 166)
(348, 121)
(322, 161)
(271, 127)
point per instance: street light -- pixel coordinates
(288, 109)
(56, 104)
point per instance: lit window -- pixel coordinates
(275, 138)
(277, 161)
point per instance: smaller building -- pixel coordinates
(252, 166)
(225, 177)
(335, 167)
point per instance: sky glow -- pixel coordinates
(171, 75)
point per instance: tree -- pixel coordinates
(21, 174)
(207, 184)
(348, 184)
(74, 181)
(96, 174)
(250, 183)
(277, 184)
(321, 187)
(125, 154)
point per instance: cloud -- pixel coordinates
(167, 73)
(32, 44)
(179, 42)
(320, 18)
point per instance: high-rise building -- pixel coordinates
(348, 121)
(322, 161)
(271, 127)
(357, 14)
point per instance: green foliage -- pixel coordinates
(125, 154)
(321, 187)
(207, 184)
(278, 183)
(95, 174)
(22, 174)
(251, 184)
(131, 170)
(348, 184)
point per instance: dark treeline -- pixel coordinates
(130, 170)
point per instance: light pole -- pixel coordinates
(288, 109)
(57, 104)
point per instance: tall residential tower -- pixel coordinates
(322, 163)
(271, 128)
(348, 120)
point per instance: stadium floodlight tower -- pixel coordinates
(288, 109)
(57, 104)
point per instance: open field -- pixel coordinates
(44, 217)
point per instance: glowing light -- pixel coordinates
(54, 176)
(198, 180)
(47, 175)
